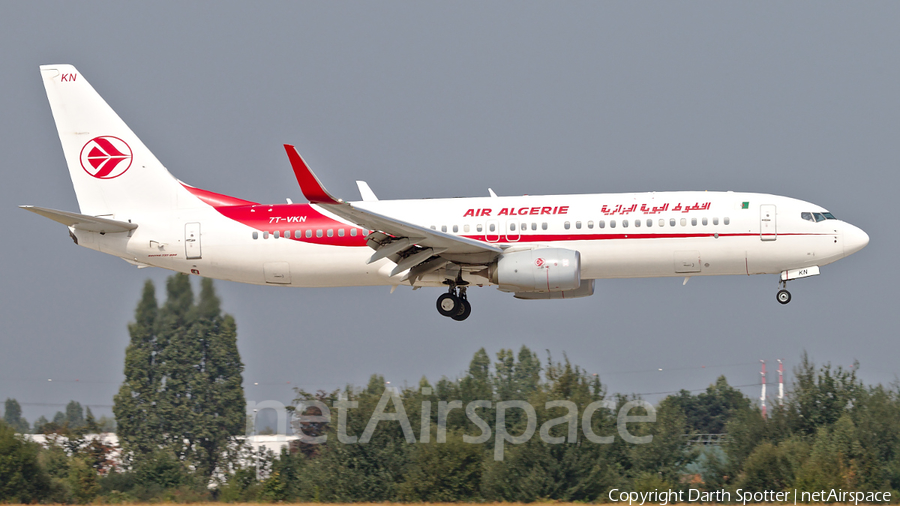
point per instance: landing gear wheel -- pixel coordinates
(465, 309)
(783, 296)
(448, 304)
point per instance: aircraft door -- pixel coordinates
(767, 222)
(512, 231)
(491, 231)
(192, 241)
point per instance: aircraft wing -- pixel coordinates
(410, 246)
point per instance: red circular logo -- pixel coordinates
(106, 157)
(539, 262)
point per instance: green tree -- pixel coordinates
(74, 415)
(39, 424)
(134, 406)
(710, 411)
(22, 479)
(12, 415)
(819, 397)
(183, 378)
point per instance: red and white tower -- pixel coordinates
(762, 397)
(780, 383)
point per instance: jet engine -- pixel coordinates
(541, 270)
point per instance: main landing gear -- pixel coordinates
(454, 306)
(783, 295)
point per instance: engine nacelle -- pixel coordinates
(541, 270)
(585, 290)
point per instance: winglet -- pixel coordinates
(365, 192)
(309, 184)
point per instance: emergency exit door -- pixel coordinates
(192, 240)
(767, 222)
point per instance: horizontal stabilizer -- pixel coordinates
(83, 222)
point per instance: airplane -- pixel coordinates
(533, 246)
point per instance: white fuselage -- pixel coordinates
(621, 235)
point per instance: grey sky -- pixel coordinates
(426, 99)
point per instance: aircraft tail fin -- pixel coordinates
(113, 172)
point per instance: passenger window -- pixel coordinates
(683, 222)
(716, 220)
(443, 228)
(276, 234)
(319, 232)
(705, 222)
(256, 235)
(330, 232)
(309, 233)
(637, 223)
(578, 225)
(649, 222)
(433, 227)
(492, 227)
(455, 229)
(672, 222)
(693, 222)
(544, 226)
(624, 223)
(534, 225)
(466, 228)
(590, 224)
(298, 234)
(612, 223)
(340, 232)
(265, 235)
(726, 220)
(662, 222)
(512, 226)
(567, 225)
(478, 227)
(352, 232)
(523, 226)
(601, 224)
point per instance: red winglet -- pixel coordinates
(309, 184)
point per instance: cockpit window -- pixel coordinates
(816, 217)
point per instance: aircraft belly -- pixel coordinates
(644, 258)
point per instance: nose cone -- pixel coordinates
(854, 239)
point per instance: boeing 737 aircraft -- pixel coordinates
(535, 247)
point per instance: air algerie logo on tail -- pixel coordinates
(106, 157)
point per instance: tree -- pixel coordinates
(22, 479)
(710, 411)
(183, 377)
(138, 427)
(74, 415)
(12, 415)
(819, 398)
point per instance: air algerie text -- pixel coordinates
(517, 211)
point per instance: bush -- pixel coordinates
(21, 477)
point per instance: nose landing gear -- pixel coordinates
(783, 295)
(454, 306)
